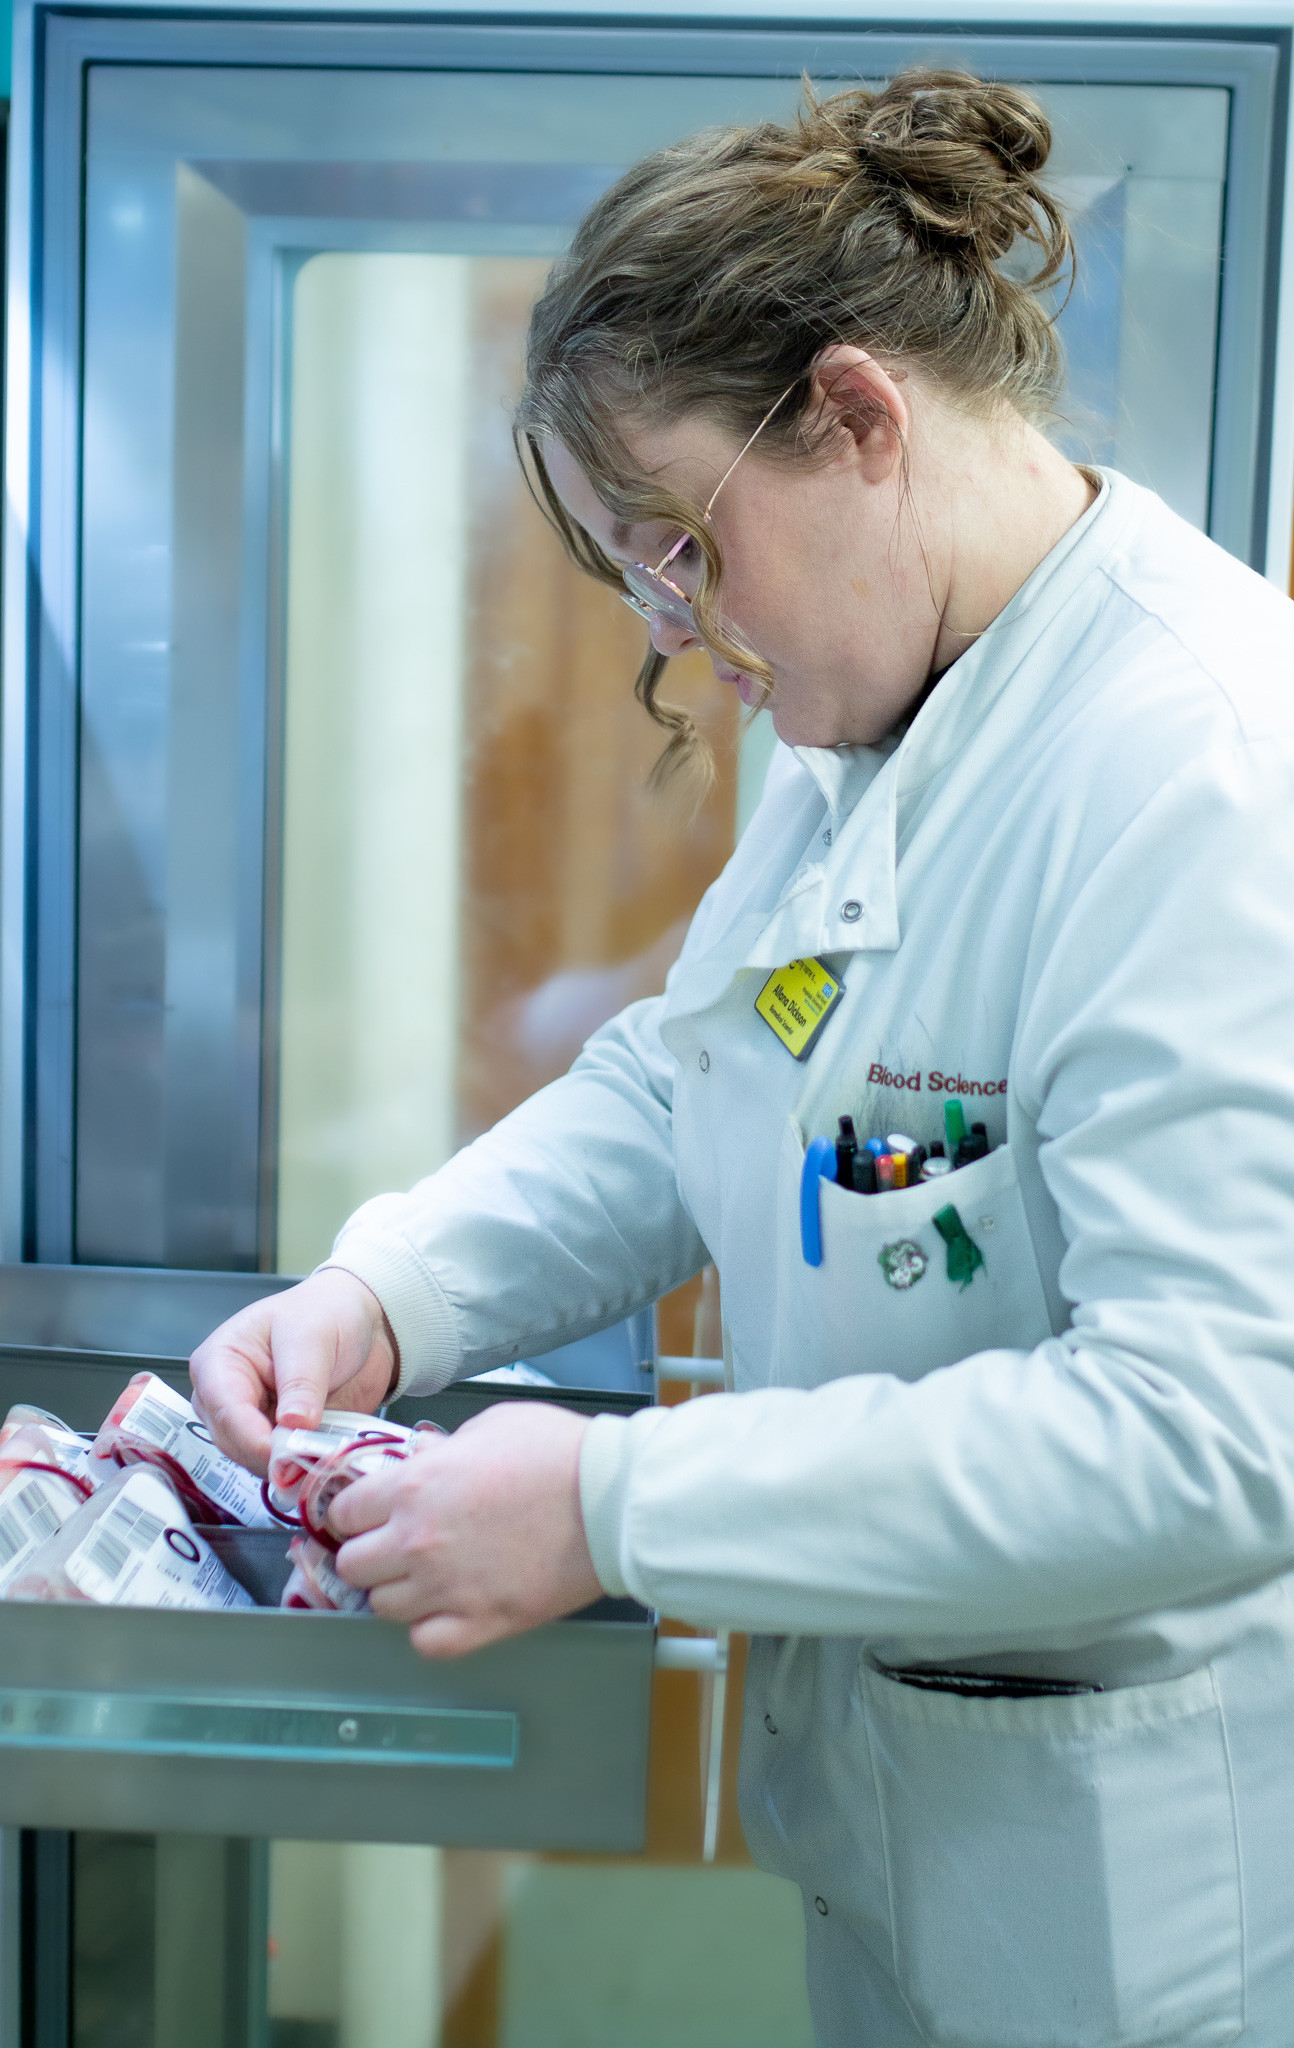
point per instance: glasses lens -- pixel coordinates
(659, 595)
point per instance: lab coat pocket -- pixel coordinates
(1063, 1871)
(883, 1299)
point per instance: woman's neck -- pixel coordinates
(1006, 497)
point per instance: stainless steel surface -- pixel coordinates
(257, 1558)
(579, 1691)
(71, 1336)
(120, 1308)
(111, 1724)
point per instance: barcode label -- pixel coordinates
(29, 1512)
(127, 1526)
(150, 1419)
(143, 1553)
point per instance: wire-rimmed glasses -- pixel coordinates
(650, 592)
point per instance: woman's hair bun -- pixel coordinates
(958, 156)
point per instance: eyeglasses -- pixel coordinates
(650, 592)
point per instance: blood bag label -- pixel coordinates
(139, 1554)
(31, 1510)
(163, 1420)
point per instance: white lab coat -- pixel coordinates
(1069, 892)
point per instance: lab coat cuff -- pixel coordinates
(606, 1465)
(415, 1305)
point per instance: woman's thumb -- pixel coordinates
(303, 1370)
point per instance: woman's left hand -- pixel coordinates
(477, 1535)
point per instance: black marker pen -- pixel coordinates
(846, 1152)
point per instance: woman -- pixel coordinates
(1005, 1489)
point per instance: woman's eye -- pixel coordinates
(689, 554)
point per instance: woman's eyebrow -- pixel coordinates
(620, 533)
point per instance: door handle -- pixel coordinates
(279, 1731)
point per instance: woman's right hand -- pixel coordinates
(323, 1343)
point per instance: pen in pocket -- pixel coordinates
(881, 1165)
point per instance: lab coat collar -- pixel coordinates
(845, 774)
(847, 902)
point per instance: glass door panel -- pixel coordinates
(376, 597)
(475, 874)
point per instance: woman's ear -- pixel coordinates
(866, 401)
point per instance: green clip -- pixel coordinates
(964, 1256)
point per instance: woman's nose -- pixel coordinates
(669, 638)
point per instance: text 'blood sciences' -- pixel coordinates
(936, 1083)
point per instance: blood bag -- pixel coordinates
(70, 1452)
(130, 1545)
(294, 1453)
(316, 1581)
(37, 1497)
(150, 1424)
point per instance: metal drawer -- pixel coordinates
(294, 1725)
(324, 1726)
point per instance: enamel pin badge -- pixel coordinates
(903, 1263)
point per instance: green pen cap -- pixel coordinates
(954, 1125)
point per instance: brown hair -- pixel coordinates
(711, 276)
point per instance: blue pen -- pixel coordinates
(876, 1146)
(819, 1165)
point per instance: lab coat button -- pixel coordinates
(826, 837)
(821, 1905)
(704, 1063)
(770, 1724)
(851, 911)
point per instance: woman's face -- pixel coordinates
(824, 572)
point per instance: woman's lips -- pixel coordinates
(746, 689)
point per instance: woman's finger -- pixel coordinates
(377, 1558)
(398, 1600)
(365, 1504)
(453, 1635)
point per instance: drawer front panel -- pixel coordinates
(326, 1727)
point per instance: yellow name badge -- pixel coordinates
(796, 1002)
